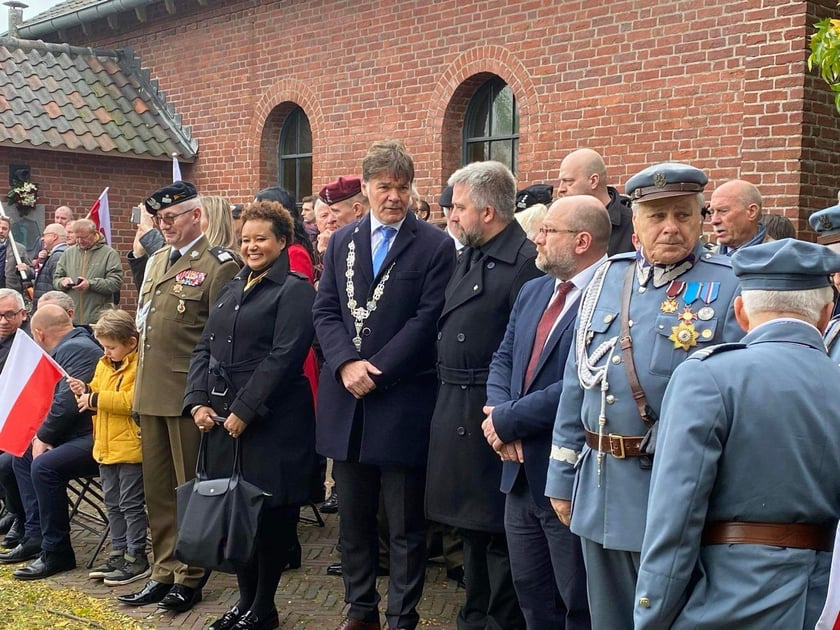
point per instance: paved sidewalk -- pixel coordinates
(306, 599)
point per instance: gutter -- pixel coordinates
(37, 28)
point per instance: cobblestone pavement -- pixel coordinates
(306, 599)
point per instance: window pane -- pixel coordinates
(478, 115)
(289, 143)
(304, 178)
(502, 151)
(491, 125)
(503, 113)
(476, 152)
(289, 175)
(295, 155)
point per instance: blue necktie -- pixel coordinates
(382, 249)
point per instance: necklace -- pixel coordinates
(252, 279)
(360, 314)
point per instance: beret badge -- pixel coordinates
(660, 179)
(825, 223)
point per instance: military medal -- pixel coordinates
(684, 336)
(692, 292)
(709, 294)
(181, 306)
(686, 316)
(673, 290)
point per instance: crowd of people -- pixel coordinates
(569, 396)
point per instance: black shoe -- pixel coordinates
(456, 574)
(330, 506)
(14, 536)
(226, 621)
(249, 621)
(180, 598)
(47, 564)
(335, 569)
(6, 521)
(152, 593)
(27, 549)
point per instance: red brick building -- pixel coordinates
(721, 84)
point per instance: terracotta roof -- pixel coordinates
(67, 98)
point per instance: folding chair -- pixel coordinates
(87, 510)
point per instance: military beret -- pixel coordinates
(445, 199)
(534, 194)
(341, 189)
(826, 224)
(236, 210)
(174, 193)
(669, 179)
(785, 265)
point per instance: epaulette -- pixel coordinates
(715, 259)
(705, 353)
(221, 254)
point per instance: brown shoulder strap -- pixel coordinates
(627, 348)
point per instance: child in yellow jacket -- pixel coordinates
(116, 446)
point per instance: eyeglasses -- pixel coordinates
(10, 315)
(169, 219)
(545, 231)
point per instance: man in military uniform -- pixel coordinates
(736, 514)
(641, 316)
(180, 283)
(463, 474)
(826, 223)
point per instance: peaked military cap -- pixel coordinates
(341, 189)
(785, 265)
(826, 223)
(534, 194)
(669, 179)
(445, 199)
(174, 193)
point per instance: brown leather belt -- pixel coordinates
(796, 535)
(619, 446)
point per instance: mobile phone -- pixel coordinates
(135, 215)
(77, 282)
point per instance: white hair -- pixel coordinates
(11, 293)
(807, 303)
(531, 219)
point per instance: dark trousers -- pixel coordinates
(43, 488)
(491, 599)
(8, 482)
(546, 560)
(402, 490)
(122, 485)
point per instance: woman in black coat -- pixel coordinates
(251, 355)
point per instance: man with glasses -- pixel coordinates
(90, 272)
(54, 245)
(496, 261)
(181, 280)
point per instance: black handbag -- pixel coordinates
(218, 518)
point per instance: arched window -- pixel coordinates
(491, 126)
(295, 155)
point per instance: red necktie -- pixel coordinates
(555, 307)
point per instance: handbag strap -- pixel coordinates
(201, 459)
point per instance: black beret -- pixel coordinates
(170, 195)
(445, 199)
(534, 194)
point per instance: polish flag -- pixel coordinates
(100, 213)
(830, 618)
(27, 389)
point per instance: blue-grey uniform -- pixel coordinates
(826, 223)
(674, 310)
(745, 491)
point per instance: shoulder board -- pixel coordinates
(221, 254)
(160, 251)
(715, 259)
(705, 353)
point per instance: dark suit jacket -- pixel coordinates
(529, 416)
(398, 338)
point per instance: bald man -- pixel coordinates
(583, 172)
(61, 451)
(735, 215)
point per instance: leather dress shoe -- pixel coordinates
(14, 536)
(27, 549)
(335, 569)
(226, 621)
(355, 624)
(152, 593)
(6, 522)
(456, 574)
(180, 598)
(47, 564)
(330, 506)
(249, 621)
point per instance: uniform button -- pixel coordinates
(157, 292)
(460, 336)
(212, 336)
(642, 289)
(366, 331)
(148, 346)
(608, 319)
(229, 339)
(153, 309)
(491, 264)
(461, 431)
(440, 335)
(644, 602)
(610, 399)
(475, 287)
(630, 323)
(236, 308)
(616, 359)
(463, 387)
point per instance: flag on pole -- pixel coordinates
(830, 618)
(100, 214)
(27, 388)
(176, 168)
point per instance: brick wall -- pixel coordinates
(721, 84)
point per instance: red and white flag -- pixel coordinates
(100, 213)
(830, 618)
(176, 168)
(27, 389)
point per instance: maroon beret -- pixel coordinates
(341, 189)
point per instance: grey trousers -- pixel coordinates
(125, 502)
(611, 585)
